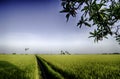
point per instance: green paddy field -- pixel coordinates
(59, 66)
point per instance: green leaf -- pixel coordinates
(67, 16)
(85, 8)
(79, 24)
(64, 11)
(87, 24)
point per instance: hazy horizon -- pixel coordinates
(38, 25)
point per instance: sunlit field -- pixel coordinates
(59, 66)
(84, 66)
(18, 67)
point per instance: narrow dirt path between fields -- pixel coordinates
(42, 68)
(46, 71)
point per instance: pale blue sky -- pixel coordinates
(38, 25)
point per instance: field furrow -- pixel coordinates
(85, 66)
(47, 71)
(59, 66)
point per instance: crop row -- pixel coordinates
(48, 71)
(85, 66)
(18, 67)
(60, 66)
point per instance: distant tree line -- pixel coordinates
(64, 52)
(110, 53)
(14, 53)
